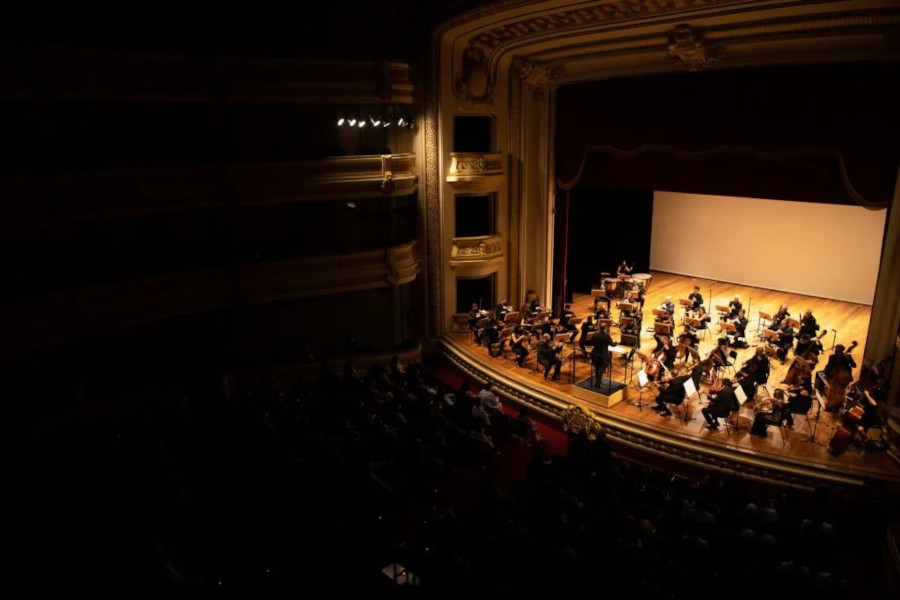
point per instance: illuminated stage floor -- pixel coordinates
(793, 451)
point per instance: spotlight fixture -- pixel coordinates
(386, 120)
(352, 121)
(375, 122)
(400, 121)
(361, 122)
(341, 120)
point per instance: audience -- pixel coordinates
(312, 488)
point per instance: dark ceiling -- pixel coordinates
(356, 29)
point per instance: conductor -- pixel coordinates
(600, 352)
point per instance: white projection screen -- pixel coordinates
(824, 250)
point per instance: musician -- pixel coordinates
(544, 326)
(586, 327)
(778, 317)
(754, 372)
(474, 317)
(491, 333)
(564, 317)
(634, 327)
(735, 306)
(672, 390)
(703, 318)
(871, 397)
(808, 323)
(799, 398)
(534, 307)
(740, 326)
(601, 311)
(548, 356)
(721, 404)
(696, 298)
(785, 340)
(838, 359)
(518, 341)
(624, 269)
(808, 345)
(668, 306)
(665, 352)
(720, 355)
(600, 352)
(689, 337)
(503, 308)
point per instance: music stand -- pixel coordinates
(625, 306)
(771, 336)
(685, 303)
(821, 406)
(629, 340)
(794, 323)
(765, 319)
(661, 312)
(625, 321)
(689, 390)
(511, 317)
(723, 310)
(663, 328)
(643, 380)
(605, 323)
(728, 328)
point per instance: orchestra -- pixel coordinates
(855, 406)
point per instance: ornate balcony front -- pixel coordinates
(476, 256)
(476, 172)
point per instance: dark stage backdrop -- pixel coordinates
(605, 226)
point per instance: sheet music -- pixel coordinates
(689, 388)
(642, 378)
(741, 396)
(619, 349)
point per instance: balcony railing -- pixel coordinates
(476, 256)
(476, 172)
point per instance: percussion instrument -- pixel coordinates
(643, 280)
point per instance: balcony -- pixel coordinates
(475, 172)
(47, 320)
(476, 256)
(83, 195)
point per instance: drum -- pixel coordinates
(643, 280)
(610, 284)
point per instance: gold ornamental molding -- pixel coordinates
(772, 469)
(476, 172)
(57, 318)
(476, 256)
(81, 74)
(687, 48)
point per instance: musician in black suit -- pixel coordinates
(564, 317)
(839, 359)
(696, 298)
(600, 352)
(474, 317)
(665, 351)
(491, 334)
(502, 309)
(808, 324)
(668, 306)
(721, 405)
(624, 269)
(735, 306)
(740, 329)
(785, 340)
(754, 372)
(586, 328)
(799, 399)
(548, 356)
(672, 390)
(778, 317)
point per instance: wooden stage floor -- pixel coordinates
(850, 320)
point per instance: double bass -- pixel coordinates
(840, 379)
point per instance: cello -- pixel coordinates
(803, 363)
(840, 379)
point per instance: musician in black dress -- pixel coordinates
(703, 318)
(754, 372)
(721, 405)
(517, 341)
(548, 356)
(799, 399)
(672, 390)
(624, 269)
(735, 306)
(808, 324)
(696, 299)
(600, 352)
(785, 340)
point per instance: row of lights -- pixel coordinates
(389, 119)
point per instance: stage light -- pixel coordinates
(400, 121)
(375, 122)
(341, 120)
(361, 123)
(386, 120)
(352, 121)
(407, 120)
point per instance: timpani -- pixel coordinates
(643, 280)
(611, 285)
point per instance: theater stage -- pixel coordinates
(791, 459)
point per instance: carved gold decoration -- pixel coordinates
(475, 84)
(688, 49)
(476, 256)
(513, 275)
(536, 76)
(474, 171)
(576, 421)
(432, 202)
